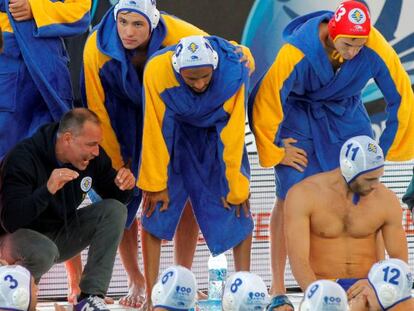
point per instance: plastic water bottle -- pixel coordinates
(217, 273)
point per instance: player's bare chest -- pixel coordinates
(346, 220)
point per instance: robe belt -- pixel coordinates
(320, 125)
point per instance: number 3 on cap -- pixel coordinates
(13, 282)
(339, 13)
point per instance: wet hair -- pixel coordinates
(73, 120)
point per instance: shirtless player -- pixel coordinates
(333, 218)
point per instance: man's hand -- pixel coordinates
(20, 10)
(245, 206)
(244, 58)
(125, 180)
(151, 200)
(357, 288)
(362, 290)
(294, 156)
(59, 177)
(366, 300)
(359, 303)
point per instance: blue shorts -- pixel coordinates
(347, 283)
(287, 176)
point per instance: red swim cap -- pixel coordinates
(351, 19)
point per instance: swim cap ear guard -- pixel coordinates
(348, 169)
(304, 306)
(392, 281)
(229, 302)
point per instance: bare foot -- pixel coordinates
(135, 297)
(147, 306)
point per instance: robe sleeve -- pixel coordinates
(60, 18)
(394, 83)
(266, 104)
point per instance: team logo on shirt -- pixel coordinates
(86, 183)
(356, 16)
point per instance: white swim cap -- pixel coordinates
(176, 289)
(324, 295)
(192, 52)
(245, 291)
(15, 285)
(146, 8)
(392, 281)
(359, 155)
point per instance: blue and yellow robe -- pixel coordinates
(301, 96)
(193, 145)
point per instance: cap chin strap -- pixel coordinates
(21, 298)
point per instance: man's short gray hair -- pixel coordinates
(73, 120)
